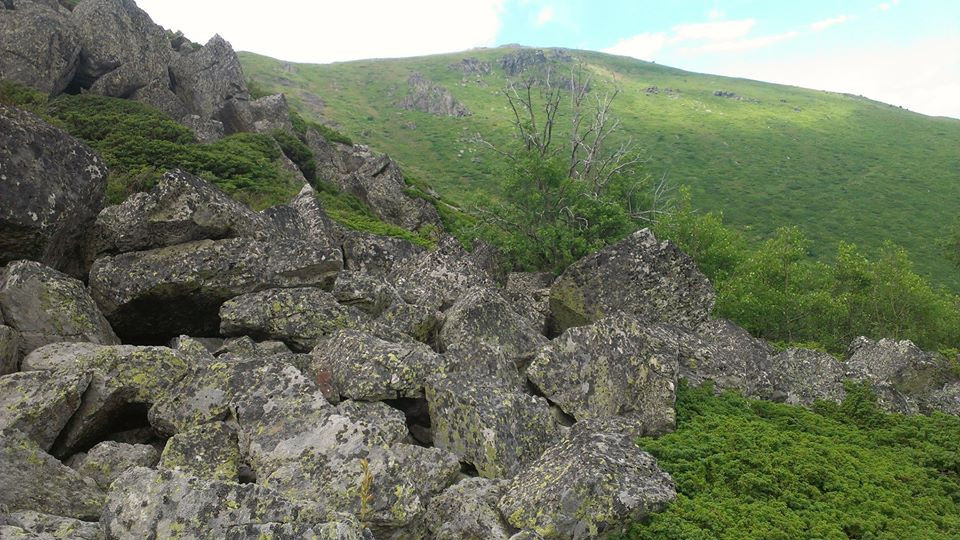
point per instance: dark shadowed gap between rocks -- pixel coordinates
(126, 423)
(417, 416)
(561, 417)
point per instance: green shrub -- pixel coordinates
(758, 470)
(299, 153)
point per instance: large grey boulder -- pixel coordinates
(468, 510)
(39, 403)
(639, 275)
(271, 113)
(529, 293)
(180, 208)
(370, 294)
(122, 50)
(481, 317)
(616, 366)
(52, 187)
(39, 49)
(39, 526)
(35, 480)
(902, 375)
(124, 381)
(592, 482)
(802, 376)
(45, 306)
(376, 255)
(731, 358)
(106, 461)
(945, 399)
(300, 317)
(210, 82)
(157, 294)
(147, 503)
(496, 430)
(440, 277)
(209, 451)
(369, 368)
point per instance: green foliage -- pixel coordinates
(298, 152)
(16, 95)
(300, 126)
(758, 470)
(353, 213)
(950, 243)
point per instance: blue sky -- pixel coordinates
(904, 52)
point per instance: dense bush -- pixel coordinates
(299, 153)
(758, 470)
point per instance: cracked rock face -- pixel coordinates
(40, 47)
(52, 186)
(802, 376)
(639, 275)
(39, 403)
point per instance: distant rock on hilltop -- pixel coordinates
(430, 97)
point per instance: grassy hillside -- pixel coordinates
(840, 167)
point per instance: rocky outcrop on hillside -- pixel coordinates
(429, 97)
(40, 48)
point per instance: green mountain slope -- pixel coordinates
(840, 167)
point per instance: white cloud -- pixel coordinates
(827, 23)
(713, 31)
(332, 31)
(887, 5)
(546, 14)
(642, 46)
(923, 76)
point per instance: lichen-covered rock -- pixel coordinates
(210, 82)
(900, 372)
(481, 317)
(376, 255)
(639, 275)
(802, 376)
(484, 363)
(123, 51)
(204, 129)
(244, 346)
(369, 368)
(39, 526)
(9, 349)
(420, 323)
(495, 429)
(124, 381)
(370, 294)
(438, 278)
(147, 503)
(302, 220)
(35, 480)
(468, 510)
(617, 365)
(179, 289)
(40, 48)
(732, 359)
(57, 355)
(299, 317)
(208, 451)
(427, 96)
(946, 399)
(271, 113)
(180, 208)
(197, 350)
(106, 461)
(529, 294)
(39, 403)
(45, 306)
(590, 483)
(52, 187)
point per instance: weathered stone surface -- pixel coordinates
(369, 368)
(210, 82)
(39, 403)
(900, 373)
(302, 220)
(40, 526)
(440, 277)
(615, 366)
(271, 113)
(496, 430)
(484, 363)
(106, 461)
(481, 317)
(299, 317)
(147, 503)
(370, 294)
(376, 255)
(429, 97)
(57, 355)
(639, 275)
(946, 399)
(208, 451)
(179, 289)
(52, 187)
(590, 483)
(35, 480)
(802, 376)
(45, 306)
(420, 323)
(39, 49)
(9, 349)
(529, 294)
(122, 50)
(204, 129)
(733, 359)
(468, 511)
(180, 208)
(124, 381)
